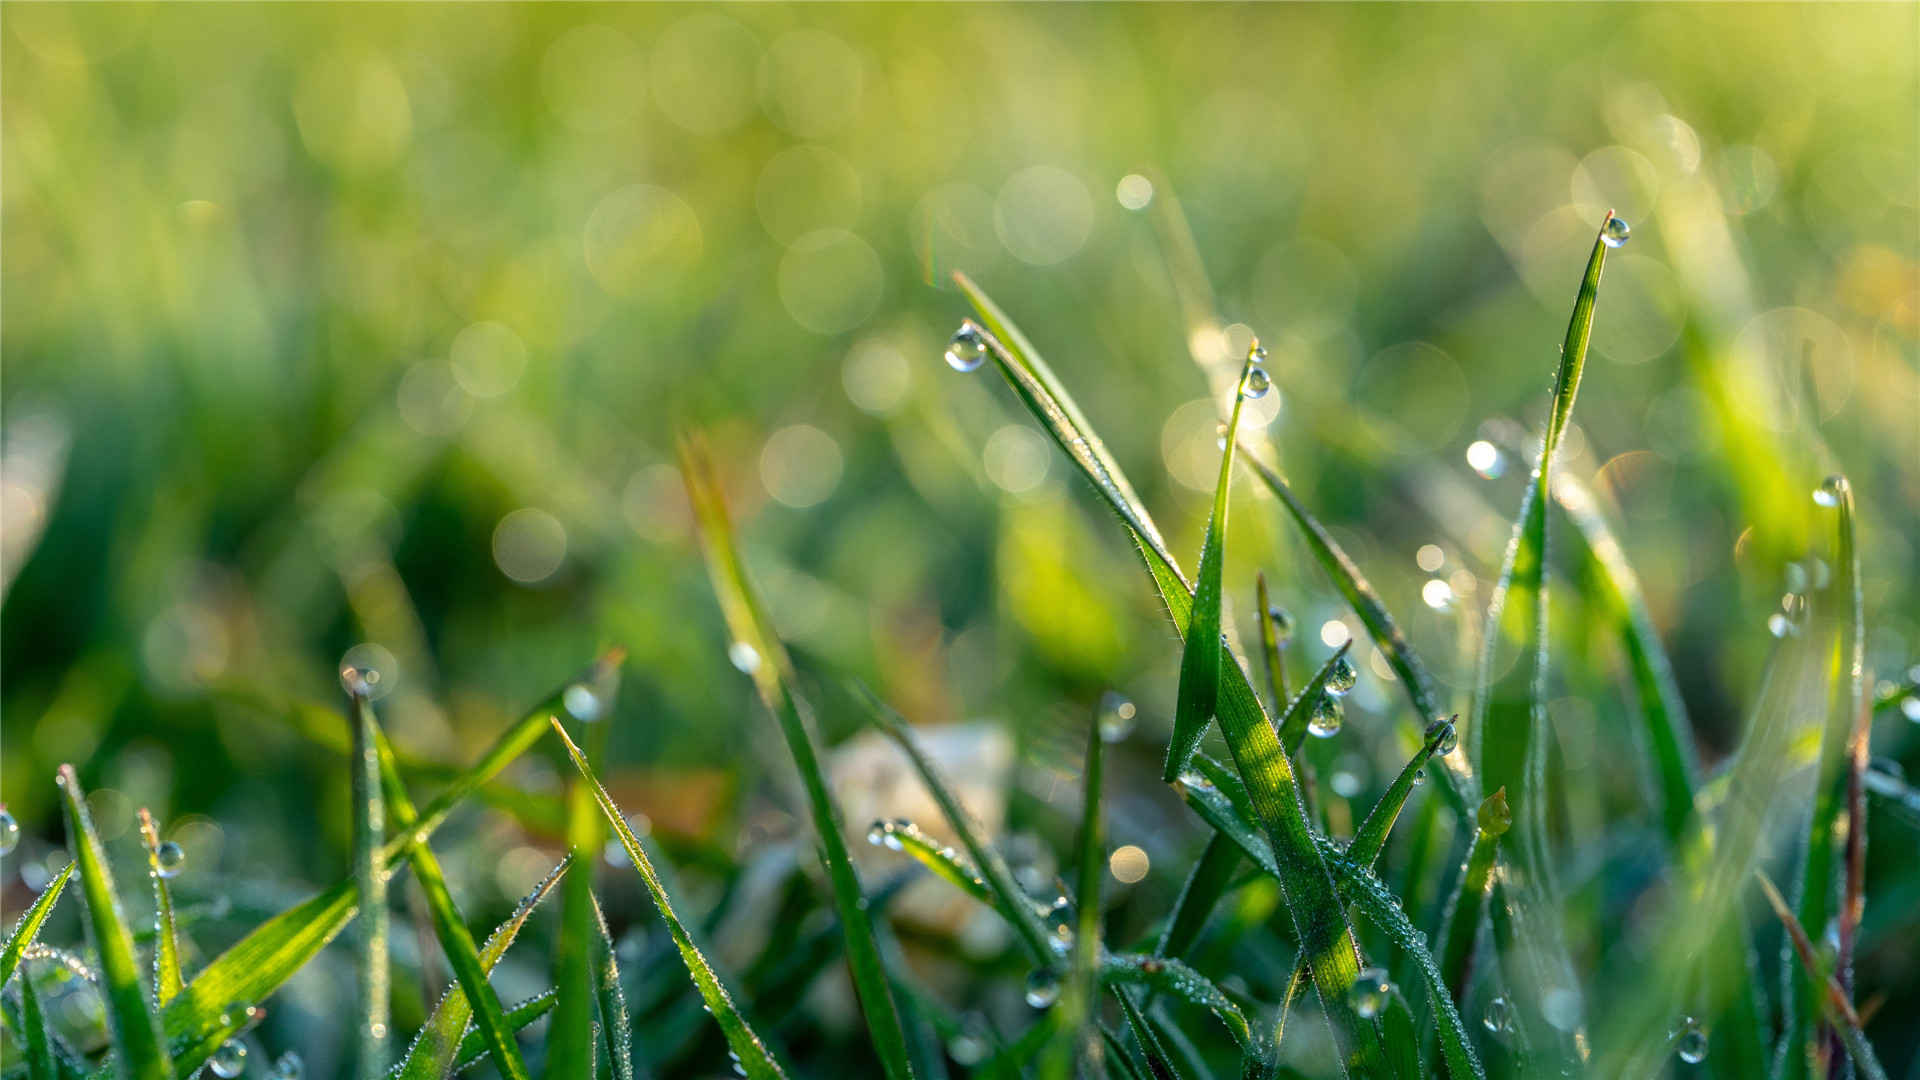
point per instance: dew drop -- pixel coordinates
(1615, 232)
(289, 1067)
(744, 657)
(1419, 777)
(1256, 352)
(1370, 992)
(1691, 1046)
(1499, 1016)
(9, 833)
(1343, 677)
(1325, 720)
(170, 858)
(230, 1060)
(1830, 490)
(968, 349)
(1043, 988)
(582, 702)
(877, 833)
(1256, 384)
(1282, 624)
(1117, 713)
(1450, 741)
(895, 838)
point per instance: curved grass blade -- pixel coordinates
(1206, 883)
(746, 1046)
(448, 925)
(29, 925)
(1271, 641)
(439, 1042)
(1164, 974)
(615, 1021)
(773, 677)
(33, 1021)
(1201, 660)
(945, 863)
(1319, 918)
(370, 883)
(473, 1048)
(1158, 1062)
(1832, 998)
(1299, 711)
(141, 1053)
(1371, 837)
(1461, 923)
(166, 946)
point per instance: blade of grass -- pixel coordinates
(1200, 662)
(570, 1037)
(614, 1018)
(746, 1046)
(474, 1049)
(1319, 918)
(1119, 1058)
(773, 677)
(33, 1021)
(370, 883)
(945, 863)
(1206, 883)
(140, 1052)
(1460, 926)
(448, 925)
(166, 947)
(1165, 975)
(1832, 999)
(1271, 642)
(28, 927)
(1372, 835)
(1077, 1030)
(1156, 1055)
(439, 1041)
(1299, 712)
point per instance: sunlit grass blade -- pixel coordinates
(994, 874)
(1158, 1062)
(1271, 641)
(1829, 994)
(1460, 926)
(141, 1053)
(1318, 916)
(752, 1053)
(946, 864)
(456, 941)
(1847, 699)
(1200, 662)
(1402, 1035)
(1299, 712)
(33, 1022)
(439, 1041)
(474, 1049)
(1175, 978)
(259, 963)
(28, 928)
(615, 1021)
(1206, 883)
(773, 676)
(370, 884)
(1371, 837)
(166, 946)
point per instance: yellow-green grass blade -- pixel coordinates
(166, 945)
(439, 1042)
(28, 927)
(33, 1021)
(615, 1021)
(570, 1037)
(1213, 872)
(753, 1055)
(1460, 925)
(773, 677)
(1201, 660)
(1271, 642)
(1175, 978)
(473, 1048)
(946, 864)
(1158, 1062)
(139, 1051)
(259, 963)
(1318, 916)
(1831, 997)
(1299, 712)
(456, 942)
(1371, 837)
(369, 885)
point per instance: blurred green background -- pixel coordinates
(337, 326)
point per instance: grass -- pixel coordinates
(1170, 999)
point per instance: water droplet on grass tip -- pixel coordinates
(1450, 740)
(744, 657)
(9, 833)
(1830, 490)
(1043, 988)
(1499, 1016)
(877, 833)
(1615, 232)
(289, 1067)
(1325, 720)
(170, 858)
(1370, 992)
(230, 1060)
(1116, 717)
(1343, 677)
(1256, 384)
(968, 349)
(1691, 1045)
(1256, 352)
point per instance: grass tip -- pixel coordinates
(1495, 817)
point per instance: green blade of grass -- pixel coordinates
(1402, 1035)
(166, 946)
(370, 885)
(1319, 918)
(1077, 1034)
(28, 927)
(1119, 1058)
(1201, 660)
(140, 1052)
(439, 1042)
(474, 1049)
(1371, 837)
(1161, 1065)
(33, 1021)
(570, 1037)
(614, 1018)
(1175, 978)
(1299, 712)
(945, 863)
(746, 1046)
(1206, 883)
(1460, 925)
(456, 942)
(1270, 642)
(1831, 997)
(773, 678)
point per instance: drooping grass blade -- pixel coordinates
(1299, 712)
(166, 946)
(1460, 926)
(439, 1042)
(1830, 996)
(370, 883)
(40, 1062)
(1161, 1065)
(473, 1048)
(615, 1021)
(28, 927)
(1318, 916)
(448, 925)
(137, 1045)
(773, 676)
(747, 1047)
(1200, 662)
(1206, 883)
(1166, 975)
(1271, 641)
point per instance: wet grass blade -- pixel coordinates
(29, 925)
(456, 942)
(33, 1022)
(570, 1037)
(473, 1048)
(1460, 926)
(141, 1053)
(615, 1021)
(370, 884)
(1371, 837)
(1271, 641)
(1299, 711)
(945, 863)
(1165, 975)
(166, 945)
(747, 1047)
(1119, 1058)
(1076, 1011)
(1832, 999)
(1206, 883)
(1158, 1062)
(773, 676)
(1201, 660)
(434, 1050)
(1318, 916)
